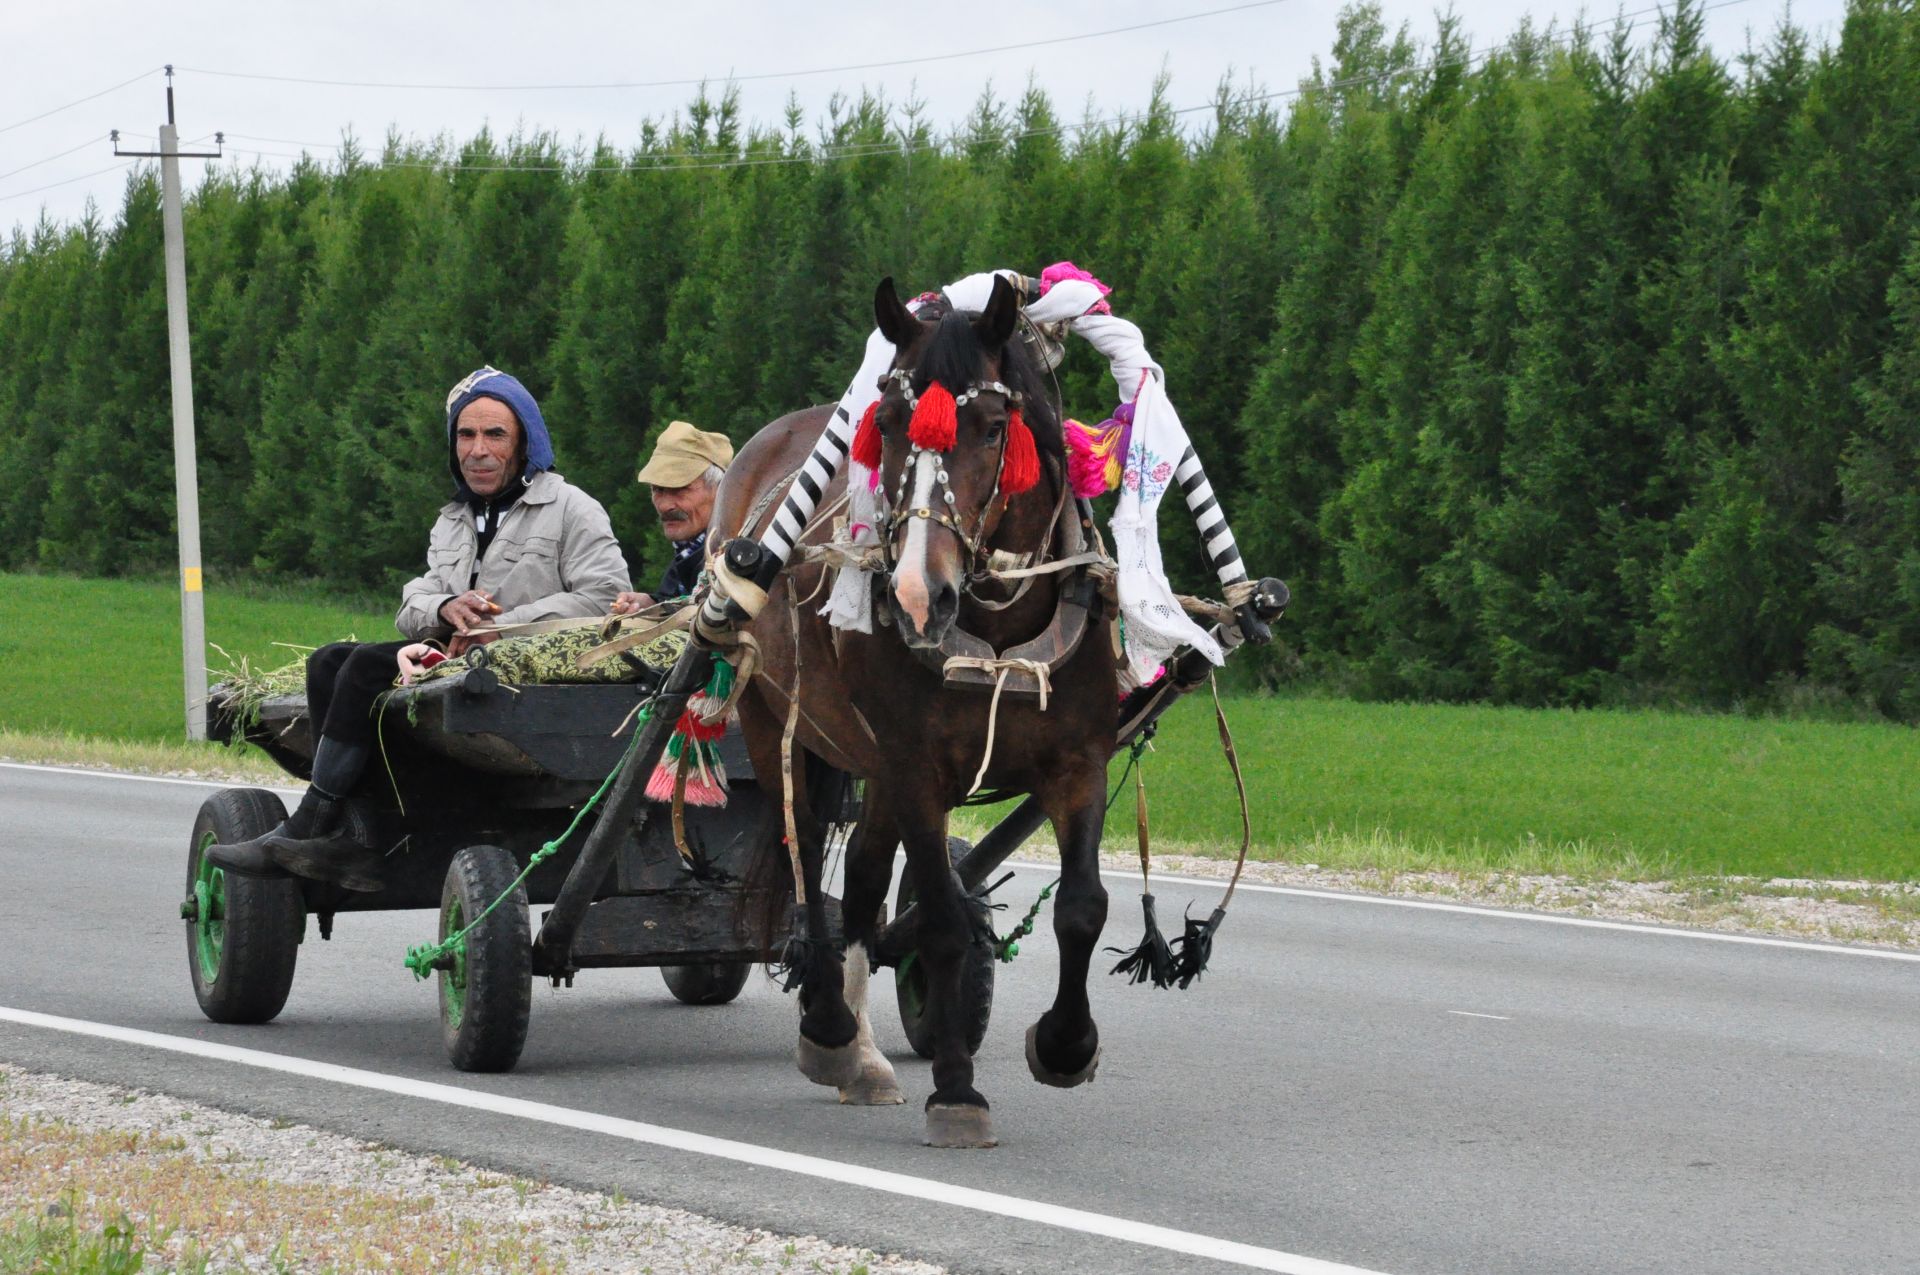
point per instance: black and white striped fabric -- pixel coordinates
(1222, 551)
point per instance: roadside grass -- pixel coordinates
(89, 672)
(101, 658)
(55, 1242)
(1635, 795)
(93, 1202)
(242, 765)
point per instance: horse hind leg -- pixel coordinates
(869, 871)
(826, 1051)
(957, 1113)
(1063, 1047)
(875, 1086)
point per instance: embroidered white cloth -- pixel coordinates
(1156, 625)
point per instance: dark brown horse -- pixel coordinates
(878, 705)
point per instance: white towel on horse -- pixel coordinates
(1156, 625)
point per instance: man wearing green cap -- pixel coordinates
(684, 473)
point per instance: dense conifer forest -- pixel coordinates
(1579, 367)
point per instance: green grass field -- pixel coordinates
(102, 657)
(1640, 794)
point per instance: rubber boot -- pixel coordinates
(312, 842)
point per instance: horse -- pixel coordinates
(880, 705)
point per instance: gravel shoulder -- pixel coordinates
(198, 1188)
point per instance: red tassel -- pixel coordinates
(936, 421)
(866, 439)
(1020, 469)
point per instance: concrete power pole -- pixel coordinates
(186, 482)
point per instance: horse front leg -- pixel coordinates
(1063, 1047)
(956, 1112)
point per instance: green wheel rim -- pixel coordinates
(912, 982)
(209, 914)
(453, 981)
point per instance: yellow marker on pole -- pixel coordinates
(191, 580)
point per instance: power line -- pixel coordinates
(730, 78)
(49, 159)
(21, 194)
(686, 161)
(691, 161)
(79, 101)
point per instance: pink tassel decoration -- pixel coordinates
(1093, 457)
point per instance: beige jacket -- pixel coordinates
(553, 557)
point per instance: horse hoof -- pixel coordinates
(873, 1087)
(835, 1068)
(958, 1125)
(1046, 1077)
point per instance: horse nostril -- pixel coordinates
(946, 604)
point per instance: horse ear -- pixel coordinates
(895, 321)
(994, 327)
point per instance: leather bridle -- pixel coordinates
(940, 508)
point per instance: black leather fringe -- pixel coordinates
(1152, 961)
(1196, 947)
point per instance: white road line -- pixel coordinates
(1183, 1242)
(1251, 887)
(1467, 1013)
(1502, 914)
(121, 774)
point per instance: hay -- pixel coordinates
(542, 659)
(241, 688)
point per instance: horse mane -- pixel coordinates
(955, 358)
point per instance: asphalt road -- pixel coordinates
(1404, 1090)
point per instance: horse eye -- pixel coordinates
(994, 430)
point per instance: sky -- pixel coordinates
(56, 52)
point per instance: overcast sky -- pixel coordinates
(57, 51)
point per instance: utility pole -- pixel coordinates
(186, 481)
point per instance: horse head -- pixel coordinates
(955, 425)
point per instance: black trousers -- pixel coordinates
(343, 680)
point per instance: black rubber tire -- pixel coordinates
(909, 982)
(486, 999)
(242, 972)
(714, 984)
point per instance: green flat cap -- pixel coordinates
(683, 453)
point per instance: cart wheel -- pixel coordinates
(714, 984)
(243, 933)
(910, 981)
(486, 993)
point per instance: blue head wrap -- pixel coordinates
(492, 383)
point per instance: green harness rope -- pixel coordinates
(422, 958)
(1005, 949)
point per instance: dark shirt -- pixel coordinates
(684, 571)
(488, 511)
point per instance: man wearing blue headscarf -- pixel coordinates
(517, 543)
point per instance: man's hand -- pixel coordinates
(467, 610)
(630, 603)
(460, 643)
(415, 660)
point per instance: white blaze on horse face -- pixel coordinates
(910, 576)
